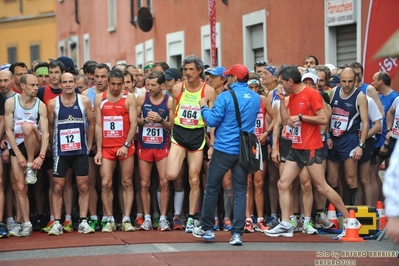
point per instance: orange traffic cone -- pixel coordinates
(332, 216)
(382, 222)
(352, 229)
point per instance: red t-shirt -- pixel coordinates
(115, 120)
(305, 136)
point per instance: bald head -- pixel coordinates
(67, 75)
(6, 81)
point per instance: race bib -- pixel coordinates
(259, 125)
(18, 133)
(70, 139)
(296, 132)
(113, 127)
(152, 133)
(338, 125)
(395, 128)
(189, 115)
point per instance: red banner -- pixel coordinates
(212, 23)
(382, 23)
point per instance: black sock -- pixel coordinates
(352, 196)
(82, 218)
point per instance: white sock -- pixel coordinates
(111, 219)
(260, 219)
(28, 224)
(68, 217)
(126, 219)
(147, 217)
(10, 220)
(178, 204)
(163, 217)
(52, 218)
(94, 217)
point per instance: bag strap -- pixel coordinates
(238, 116)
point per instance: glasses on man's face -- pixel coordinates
(260, 63)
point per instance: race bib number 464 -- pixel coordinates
(113, 126)
(189, 115)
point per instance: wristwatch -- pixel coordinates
(204, 106)
(300, 117)
(362, 145)
(389, 129)
(42, 156)
(126, 144)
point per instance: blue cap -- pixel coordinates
(271, 69)
(5, 66)
(216, 71)
(334, 80)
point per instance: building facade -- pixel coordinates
(283, 31)
(27, 30)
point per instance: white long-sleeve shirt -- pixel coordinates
(391, 185)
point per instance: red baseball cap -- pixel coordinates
(240, 71)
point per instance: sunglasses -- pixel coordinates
(260, 63)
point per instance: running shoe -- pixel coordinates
(67, 226)
(260, 227)
(207, 235)
(280, 230)
(216, 226)
(30, 176)
(322, 222)
(236, 239)
(163, 225)
(190, 225)
(109, 227)
(85, 228)
(48, 227)
(26, 230)
(127, 226)
(147, 225)
(139, 221)
(177, 224)
(3, 231)
(308, 228)
(56, 229)
(95, 224)
(272, 221)
(249, 226)
(15, 230)
(227, 224)
(155, 220)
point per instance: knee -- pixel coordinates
(194, 183)
(259, 185)
(106, 184)
(170, 175)
(58, 188)
(21, 187)
(249, 183)
(83, 188)
(145, 184)
(283, 186)
(127, 183)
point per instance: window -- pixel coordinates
(175, 48)
(86, 47)
(149, 50)
(149, 4)
(111, 15)
(61, 48)
(140, 55)
(139, 4)
(73, 49)
(254, 37)
(12, 54)
(34, 52)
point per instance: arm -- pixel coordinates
(9, 124)
(175, 92)
(43, 123)
(166, 123)
(90, 120)
(269, 129)
(98, 129)
(390, 117)
(276, 134)
(131, 107)
(363, 110)
(372, 92)
(50, 117)
(139, 103)
(210, 95)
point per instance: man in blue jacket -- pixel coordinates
(224, 155)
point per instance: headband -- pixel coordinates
(41, 71)
(149, 66)
(253, 81)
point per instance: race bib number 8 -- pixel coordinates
(112, 127)
(70, 139)
(152, 133)
(189, 115)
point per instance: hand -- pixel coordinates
(357, 154)
(281, 93)
(276, 156)
(203, 102)
(330, 143)
(94, 148)
(97, 158)
(151, 117)
(3, 144)
(210, 152)
(21, 160)
(37, 163)
(263, 138)
(122, 152)
(393, 229)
